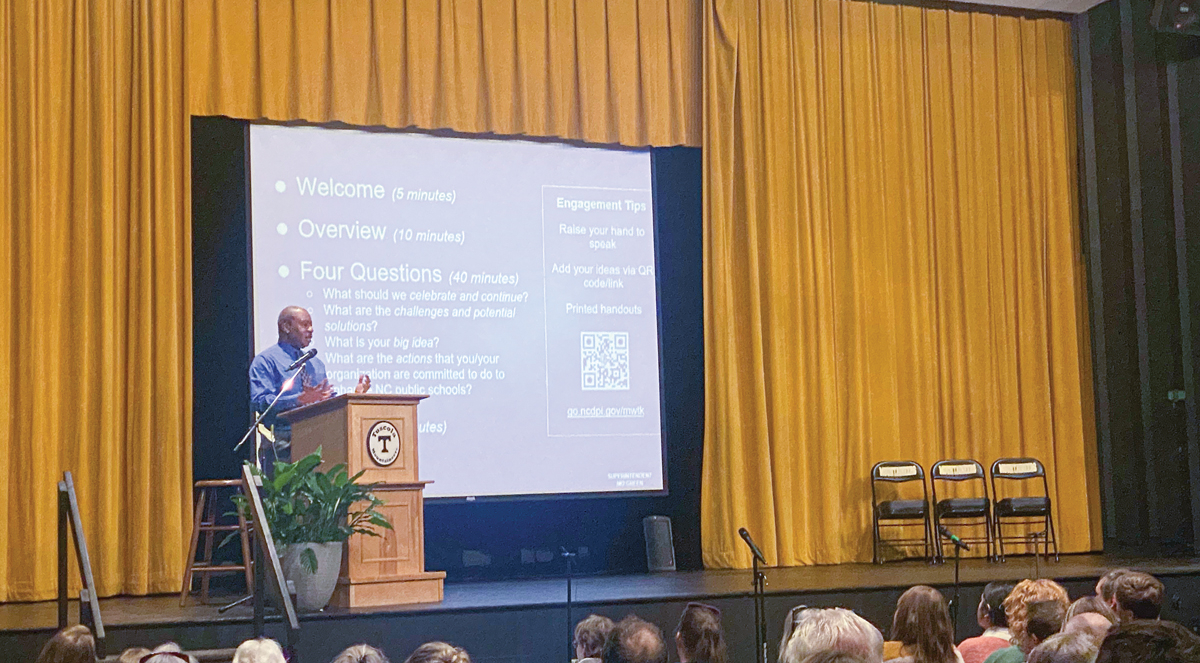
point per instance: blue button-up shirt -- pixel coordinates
(267, 375)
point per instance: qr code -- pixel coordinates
(605, 357)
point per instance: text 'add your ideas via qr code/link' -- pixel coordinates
(605, 357)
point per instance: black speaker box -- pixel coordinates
(660, 543)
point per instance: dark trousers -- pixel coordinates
(269, 452)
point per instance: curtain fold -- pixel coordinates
(892, 265)
(615, 71)
(96, 291)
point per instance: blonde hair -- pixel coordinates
(1016, 607)
(832, 629)
(259, 650)
(133, 655)
(164, 648)
(590, 634)
(73, 644)
(360, 654)
(439, 652)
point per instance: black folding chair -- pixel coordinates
(1023, 510)
(900, 513)
(962, 510)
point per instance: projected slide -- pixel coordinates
(511, 281)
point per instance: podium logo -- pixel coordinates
(383, 443)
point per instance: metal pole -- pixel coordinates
(570, 629)
(760, 624)
(954, 606)
(63, 508)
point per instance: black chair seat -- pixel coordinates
(1023, 506)
(962, 507)
(895, 509)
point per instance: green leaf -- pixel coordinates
(379, 521)
(308, 560)
(303, 504)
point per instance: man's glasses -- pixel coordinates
(794, 618)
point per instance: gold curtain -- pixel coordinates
(892, 265)
(616, 71)
(96, 291)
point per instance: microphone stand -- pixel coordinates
(760, 611)
(287, 384)
(569, 556)
(958, 548)
(298, 366)
(760, 608)
(954, 604)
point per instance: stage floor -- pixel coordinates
(525, 621)
(627, 589)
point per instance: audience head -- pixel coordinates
(1150, 642)
(1137, 596)
(834, 657)
(438, 652)
(167, 652)
(1091, 604)
(922, 623)
(1105, 585)
(259, 650)
(590, 634)
(1092, 624)
(133, 655)
(1045, 619)
(1064, 648)
(73, 644)
(830, 631)
(991, 605)
(634, 640)
(1017, 610)
(699, 637)
(360, 654)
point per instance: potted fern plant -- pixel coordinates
(312, 514)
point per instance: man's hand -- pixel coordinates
(313, 394)
(364, 384)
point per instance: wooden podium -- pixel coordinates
(376, 433)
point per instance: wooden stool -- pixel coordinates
(206, 522)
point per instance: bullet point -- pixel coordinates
(282, 228)
(309, 294)
(280, 186)
(283, 271)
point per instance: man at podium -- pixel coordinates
(268, 373)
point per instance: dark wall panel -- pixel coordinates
(221, 341)
(1138, 266)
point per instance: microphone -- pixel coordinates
(953, 539)
(302, 359)
(753, 548)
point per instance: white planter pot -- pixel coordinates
(313, 590)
